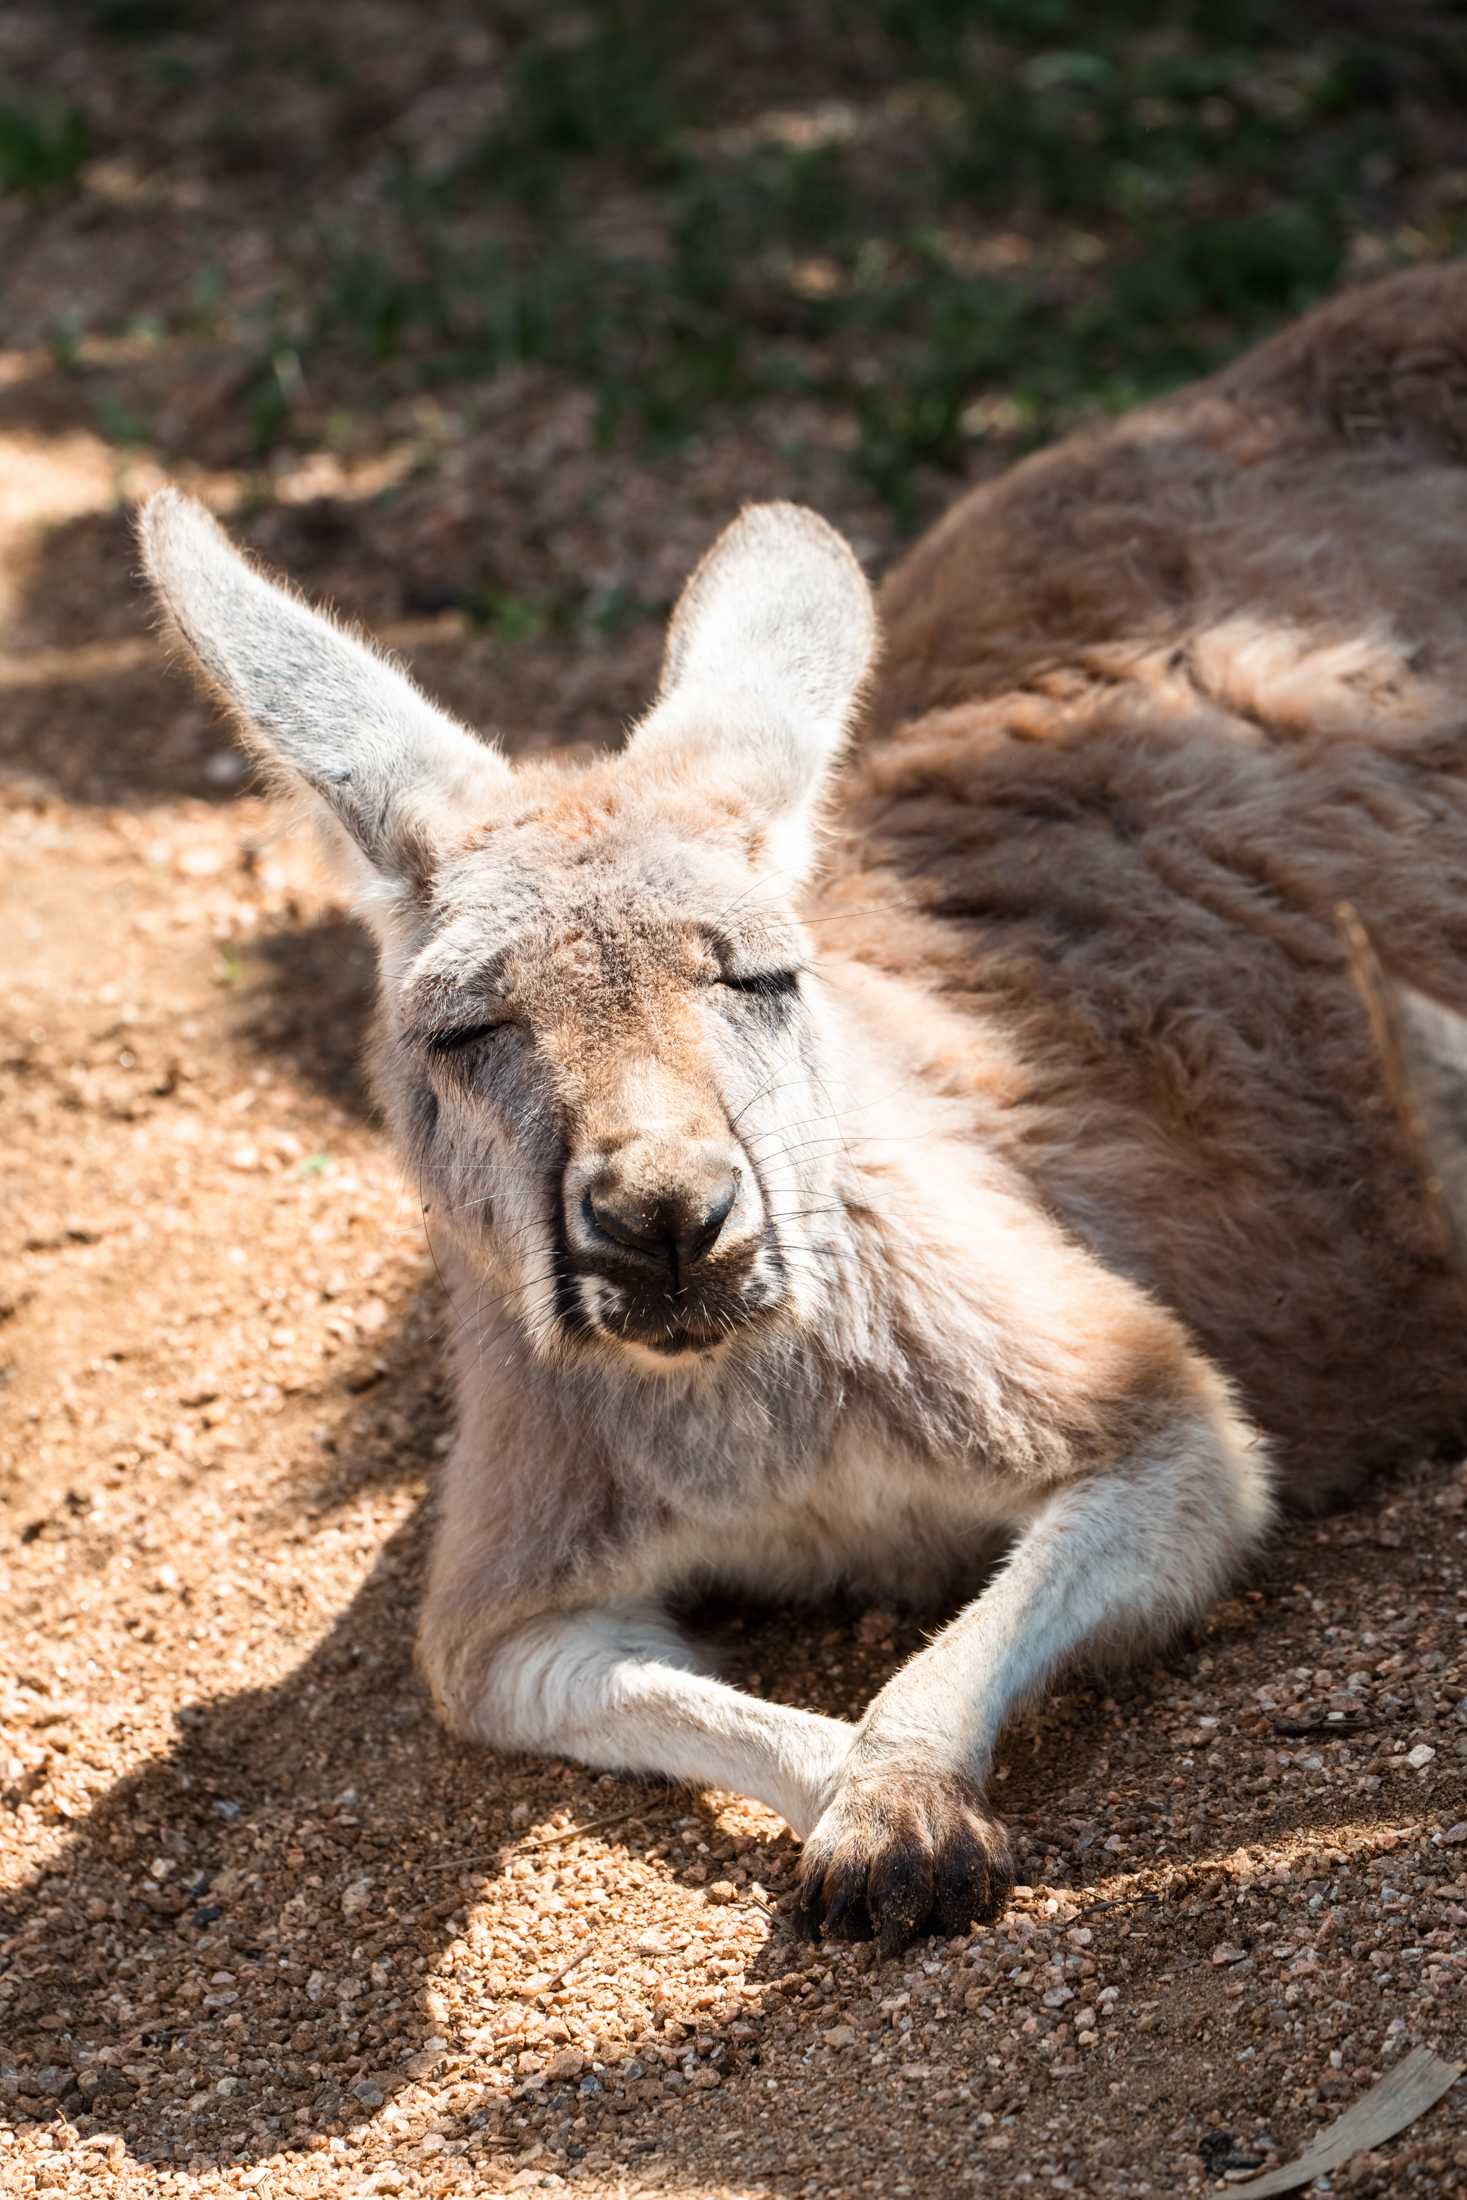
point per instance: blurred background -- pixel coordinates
(858, 252)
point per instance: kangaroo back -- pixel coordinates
(1152, 708)
(1285, 540)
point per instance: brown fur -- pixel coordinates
(1152, 708)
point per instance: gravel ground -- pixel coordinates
(266, 1928)
(263, 1927)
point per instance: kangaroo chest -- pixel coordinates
(876, 1519)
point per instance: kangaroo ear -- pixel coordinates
(766, 654)
(321, 707)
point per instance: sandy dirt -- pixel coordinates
(263, 1927)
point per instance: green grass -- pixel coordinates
(582, 614)
(1020, 212)
(42, 147)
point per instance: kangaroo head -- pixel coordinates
(600, 1046)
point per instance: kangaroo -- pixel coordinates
(909, 1121)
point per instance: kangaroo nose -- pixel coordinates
(676, 1230)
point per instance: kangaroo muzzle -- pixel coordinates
(664, 1236)
(670, 1229)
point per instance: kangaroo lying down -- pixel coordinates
(863, 1163)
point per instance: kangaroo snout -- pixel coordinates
(667, 1237)
(673, 1227)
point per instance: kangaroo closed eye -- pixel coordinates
(454, 1042)
(768, 984)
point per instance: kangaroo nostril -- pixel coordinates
(704, 1234)
(676, 1230)
(638, 1228)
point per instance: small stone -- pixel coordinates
(722, 1891)
(1225, 1952)
(1420, 1757)
(198, 862)
(1453, 1836)
(569, 2063)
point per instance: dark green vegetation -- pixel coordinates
(42, 146)
(954, 228)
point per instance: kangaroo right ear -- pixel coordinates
(766, 654)
(388, 770)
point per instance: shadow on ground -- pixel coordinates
(322, 1840)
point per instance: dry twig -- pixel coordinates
(1408, 2089)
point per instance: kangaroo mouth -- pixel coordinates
(670, 1331)
(673, 1325)
(675, 1341)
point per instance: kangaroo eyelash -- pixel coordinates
(764, 984)
(454, 1042)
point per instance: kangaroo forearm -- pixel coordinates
(1127, 1555)
(620, 1689)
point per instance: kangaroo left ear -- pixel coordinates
(766, 654)
(386, 771)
